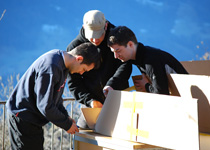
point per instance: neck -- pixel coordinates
(134, 51)
(68, 58)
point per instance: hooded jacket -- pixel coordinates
(112, 72)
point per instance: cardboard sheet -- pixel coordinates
(200, 67)
(91, 116)
(161, 120)
(194, 86)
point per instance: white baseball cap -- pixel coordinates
(94, 24)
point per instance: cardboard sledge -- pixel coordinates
(194, 86)
(161, 120)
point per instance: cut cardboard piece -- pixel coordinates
(91, 116)
(194, 86)
(200, 67)
(139, 77)
(160, 120)
(204, 141)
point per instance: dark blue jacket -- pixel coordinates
(37, 97)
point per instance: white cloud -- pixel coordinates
(143, 30)
(150, 2)
(49, 28)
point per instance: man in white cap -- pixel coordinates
(91, 88)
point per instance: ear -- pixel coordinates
(79, 58)
(130, 44)
(106, 25)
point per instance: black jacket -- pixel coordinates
(112, 72)
(156, 63)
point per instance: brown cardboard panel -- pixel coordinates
(91, 116)
(161, 120)
(197, 67)
(139, 77)
(204, 141)
(195, 86)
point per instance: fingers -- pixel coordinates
(105, 92)
(73, 129)
(97, 104)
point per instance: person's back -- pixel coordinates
(156, 64)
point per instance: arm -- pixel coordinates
(140, 82)
(49, 103)
(79, 84)
(119, 81)
(159, 80)
(86, 88)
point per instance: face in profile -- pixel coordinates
(79, 67)
(121, 52)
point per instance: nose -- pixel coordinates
(81, 72)
(116, 55)
(95, 40)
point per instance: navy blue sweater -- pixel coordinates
(37, 97)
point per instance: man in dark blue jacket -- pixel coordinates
(37, 97)
(91, 88)
(153, 63)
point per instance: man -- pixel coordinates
(37, 97)
(153, 63)
(88, 88)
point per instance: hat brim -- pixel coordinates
(93, 33)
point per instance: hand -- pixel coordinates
(107, 89)
(73, 128)
(140, 83)
(96, 104)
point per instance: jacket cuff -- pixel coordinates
(147, 87)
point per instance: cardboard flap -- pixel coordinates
(195, 86)
(91, 116)
(160, 120)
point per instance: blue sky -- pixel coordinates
(30, 28)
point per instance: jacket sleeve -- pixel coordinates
(119, 81)
(47, 103)
(79, 90)
(77, 84)
(159, 80)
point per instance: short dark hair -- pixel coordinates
(121, 35)
(90, 54)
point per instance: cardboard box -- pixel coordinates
(194, 86)
(200, 67)
(161, 120)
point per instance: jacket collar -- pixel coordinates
(140, 51)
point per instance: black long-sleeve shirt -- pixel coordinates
(112, 72)
(37, 97)
(156, 63)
